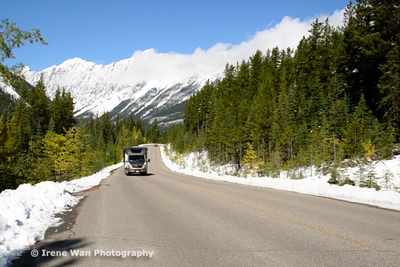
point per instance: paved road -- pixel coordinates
(170, 219)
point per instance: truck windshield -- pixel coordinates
(136, 158)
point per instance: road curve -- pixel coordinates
(169, 219)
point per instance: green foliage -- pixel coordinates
(60, 151)
(154, 131)
(371, 32)
(39, 109)
(12, 37)
(40, 139)
(314, 106)
(387, 180)
(338, 178)
(181, 140)
(362, 126)
(368, 177)
(62, 112)
(390, 88)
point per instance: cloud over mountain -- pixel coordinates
(155, 85)
(169, 67)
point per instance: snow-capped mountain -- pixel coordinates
(117, 88)
(8, 90)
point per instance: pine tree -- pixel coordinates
(19, 128)
(296, 110)
(62, 111)
(39, 109)
(360, 128)
(262, 110)
(256, 74)
(222, 143)
(371, 31)
(84, 153)
(155, 133)
(106, 129)
(390, 88)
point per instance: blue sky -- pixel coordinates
(108, 31)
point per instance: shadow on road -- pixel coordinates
(60, 246)
(140, 175)
(48, 252)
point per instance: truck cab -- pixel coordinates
(136, 160)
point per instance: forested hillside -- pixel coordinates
(41, 140)
(335, 97)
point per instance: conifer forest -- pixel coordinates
(331, 101)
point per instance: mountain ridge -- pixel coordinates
(117, 88)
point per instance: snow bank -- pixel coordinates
(28, 211)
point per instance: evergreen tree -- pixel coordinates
(262, 110)
(256, 74)
(106, 129)
(39, 109)
(155, 133)
(84, 153)
(19, 128)
(359, 129)
(62, 111)
(390, 88)
(371, 32)
(295, 110)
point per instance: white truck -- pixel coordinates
(135, 160)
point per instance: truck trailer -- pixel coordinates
(135, 160)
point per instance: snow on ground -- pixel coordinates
(28, 211)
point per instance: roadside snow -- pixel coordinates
(28, 211)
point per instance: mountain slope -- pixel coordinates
(9, 94)
(7, 97)
(115, 88)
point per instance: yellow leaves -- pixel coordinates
(125, 135)
(175, 157)
(180, 160)
(251, 159)
(369, 149)
(249, 156)
(136, 133)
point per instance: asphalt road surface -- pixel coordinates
(169, 219)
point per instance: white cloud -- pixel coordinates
(168, 67)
